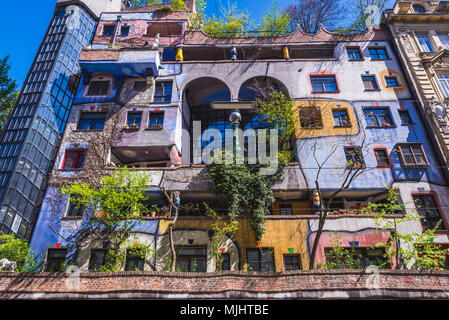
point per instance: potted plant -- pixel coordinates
(154, 209)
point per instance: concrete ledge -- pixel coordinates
(314, 284)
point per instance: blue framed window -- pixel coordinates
(444, 81)
(163, 91)
(391, 81)
(444, 38)
(405, 117)
(108, 30)
(378, 53)
(124, 31)
(377, 117)
(134, 119)
(341, 118)
(92, 121)
(324, 84)
(354, 53)
(156, 119)
(425, 42)
(418, 8)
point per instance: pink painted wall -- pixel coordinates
(365, 239)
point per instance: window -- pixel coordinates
(74, 159)
(391, 81)
(324, 84)
(444, 80)
(444, 38)
(92, 121)
(425, 42)
(55, 260)
(382, 158)
(370, 83)
(226, 262)
(191, 259)
(140, 85)
(134, 119)
(261, 259)
(310, 118)
(418, 8)
(412, 155)
(354, 157)
(97, 259)
(285, 209)
(341, 118)
(124, 31)
(292, 262)
(156, 120)
(98, 88)
(108, 30)
(163, 91)
(365, 256)
(354, 53)
(377, 117)
(428, 210)
(134, 260)
(405, 117)
(378, 53)
(75, 210)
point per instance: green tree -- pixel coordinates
(197, 18)
(221, 227)
(274, 21)
(18, 250)
(8, 92)
(231, 24)
(339, 257)
(277, 109)
(414, 247)
(115, 206)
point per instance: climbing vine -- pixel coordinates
(245, 191)
(221, 227)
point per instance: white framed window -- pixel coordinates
(444, 81)
(425, 42)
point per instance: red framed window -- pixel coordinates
(74, 159)
(382, 158)
(412, 155)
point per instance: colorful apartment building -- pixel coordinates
(148, 81)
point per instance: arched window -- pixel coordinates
(418, 8)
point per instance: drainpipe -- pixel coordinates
(117, 29)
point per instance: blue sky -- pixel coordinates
(26, 23)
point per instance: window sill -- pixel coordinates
(422, 166)
(334, 92)
(442, 232)
(372, 90)
(377, 127)
(393, 87)
(355, 60)
(131, 129)
(348, 126)
(384, 166)
(158, 128)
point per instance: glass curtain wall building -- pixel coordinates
(31, 138)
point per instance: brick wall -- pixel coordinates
(296, 284)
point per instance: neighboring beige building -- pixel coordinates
(421, 35)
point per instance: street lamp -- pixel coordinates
(235, 117)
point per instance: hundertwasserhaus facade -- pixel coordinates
(146, 81)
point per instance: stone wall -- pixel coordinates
(340, 284)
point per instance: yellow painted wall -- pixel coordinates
(399, 77)
(280, 235)
(329, 129)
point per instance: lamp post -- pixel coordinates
(235, 117)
